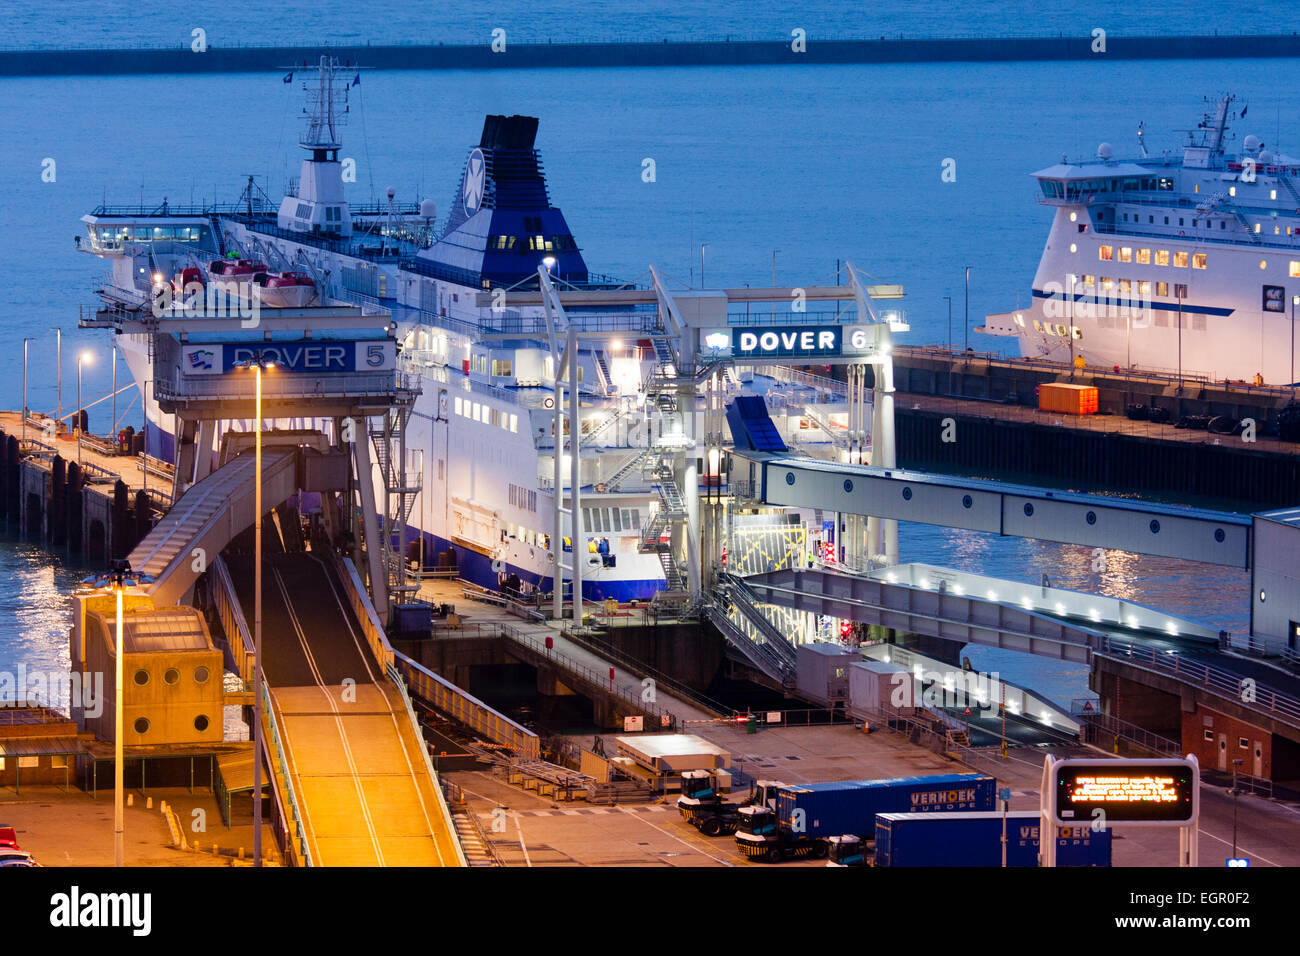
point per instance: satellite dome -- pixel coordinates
(1265, 157)
(1250, 143)
(428, 209)
(391, 192)
(1104, 151)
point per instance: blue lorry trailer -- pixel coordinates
(975, 839)
(806, 814)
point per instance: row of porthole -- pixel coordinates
(201, 723)
(172, 676)
(967, 502)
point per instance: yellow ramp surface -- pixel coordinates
(359, 772)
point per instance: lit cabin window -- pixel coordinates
(1074, 247)
(459, 409)
(1107, 283)
(1020, 320)
(1143, 257)
(1144, 288)
(1295, 269)
(1263, 263)
(1256, 227)
(1126, 286)
(1196, 188)
(1089, 281)
(1232, 190)
(1180, 260)
(1125, 253)
(1198, 260)
(1272, 194)
(514, 423)
(1162, 288)
(1162, 257)
(1105, 253)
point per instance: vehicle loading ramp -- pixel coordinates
(356, 762)
(208, 516)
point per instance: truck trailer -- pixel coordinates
(807, 814)
(975, 839)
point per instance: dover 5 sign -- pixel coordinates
(308, 357)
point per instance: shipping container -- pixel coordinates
(1067, 398)
(975, 839)
(850, 806)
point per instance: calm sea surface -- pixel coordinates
(813, 164)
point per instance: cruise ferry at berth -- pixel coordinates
(481, 433)
(1186, 262)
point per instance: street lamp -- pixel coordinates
(1295, 300)
(58, 359)
(83, 358)
(1070, 328)
(25, 341)
(1235, 765)
(967, 322)
(257, 364)
(702, 247)
(118, 579)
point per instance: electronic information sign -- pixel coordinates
(1150, 792)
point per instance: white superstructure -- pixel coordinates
(1186, 262)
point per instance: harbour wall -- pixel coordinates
(62, 505)
(716, 52)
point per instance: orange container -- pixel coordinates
(1067, 399)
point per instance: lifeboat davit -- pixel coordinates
(234, 277)
(284, 290)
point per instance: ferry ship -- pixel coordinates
(1186, 264)
(481, 433)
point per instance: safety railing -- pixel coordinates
(1105, 729)
(631, 694)
(371, 629)
(297, 839)
(231, 615)
(611, 653)
(467, 709)
(1217, 680)
(396, 677)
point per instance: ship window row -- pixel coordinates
(534, 243)
(485, 413)
(1055, 328)
(523, 498)
(536, 539)
(610, 520)
(1182, 221)
(1158, 257)
(149, 233)
(1058, 189)
(1142, 287)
